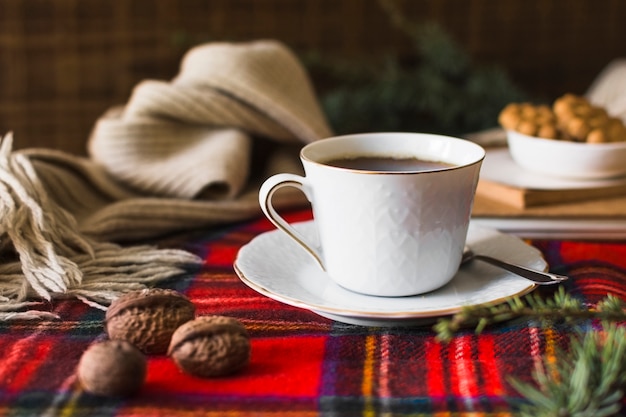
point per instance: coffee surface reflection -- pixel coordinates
(387, 164)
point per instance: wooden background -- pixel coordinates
(64, 62)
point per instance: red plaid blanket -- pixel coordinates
(302, 364)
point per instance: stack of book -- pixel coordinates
(531, 205)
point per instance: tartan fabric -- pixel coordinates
(302, 364)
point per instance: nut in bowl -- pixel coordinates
(571, 139)
(566, 159)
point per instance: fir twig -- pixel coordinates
(434, 89)
(589, 382)
(561, 307)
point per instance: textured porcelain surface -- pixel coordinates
(568, 159)
(276, 266)
(381, 233)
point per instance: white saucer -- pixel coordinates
(275, 266)
(498, 166)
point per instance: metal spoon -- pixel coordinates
(538, 277)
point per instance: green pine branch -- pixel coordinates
(561, 307)
(436, 89)
(590, 378)
(589, 382)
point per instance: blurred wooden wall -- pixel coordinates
(64, 62)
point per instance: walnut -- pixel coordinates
(112, 368)
(148, 318)
(210, 346)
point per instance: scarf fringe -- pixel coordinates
(50, 259)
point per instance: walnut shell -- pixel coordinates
(148, 318)
(112, 368)
(210, 346)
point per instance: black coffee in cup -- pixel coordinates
(388, 164)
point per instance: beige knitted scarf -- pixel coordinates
(44, 256)
(180, 155)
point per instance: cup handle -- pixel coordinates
(266, 192)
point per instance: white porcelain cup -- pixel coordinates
(385, 233)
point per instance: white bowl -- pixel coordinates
(567, 159)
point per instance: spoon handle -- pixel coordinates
(541, 278)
